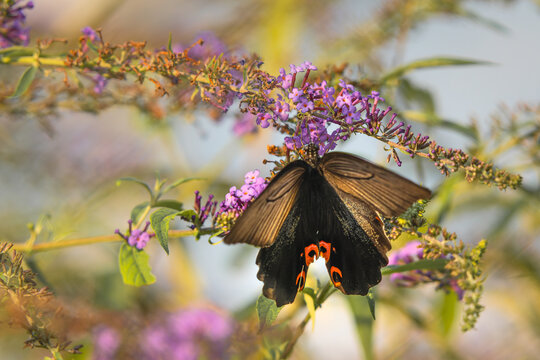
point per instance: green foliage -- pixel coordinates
(267, 311)
(427, 63)
(138, 211)
(134, 266)
(160, 221)
(423, 264)
(363, 317)
(25, 81)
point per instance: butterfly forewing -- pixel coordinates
(387, 192)
(261, 221)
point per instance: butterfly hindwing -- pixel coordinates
(283, 266)
(385, 191)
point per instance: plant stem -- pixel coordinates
(96, 239)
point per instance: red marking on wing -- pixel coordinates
(312, 252)
(333, 272)
(324, 250)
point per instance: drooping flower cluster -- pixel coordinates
(237, 200)
(189, 334)
(412, 252)
(12, 19)
(323, 115)
(136, 237)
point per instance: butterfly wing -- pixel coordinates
(327, 223)
(283, 266)
(353, 243)
(261, 221)
(385, 191)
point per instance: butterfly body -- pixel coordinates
(316, 208)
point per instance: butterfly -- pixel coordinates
(329, 207)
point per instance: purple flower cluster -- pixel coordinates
(12, 19)
(189, 334)
(413, 252)
(136, 237)
(237, 200)
(323, 114)
(203, 212)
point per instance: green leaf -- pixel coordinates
(363, 322)
(137, 211)
(494, 25)
(25, 81)
(169, 43)
(434, 120)
(267, 311)
(309, 298)
(134, 266)
(135, 180)
(428, 63)
(160, 220)
(423, 264)
(370, 298)
(178, 183)
(171, 204)
(447, 310)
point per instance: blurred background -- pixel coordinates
(62, 170)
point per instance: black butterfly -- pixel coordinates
(329, 207)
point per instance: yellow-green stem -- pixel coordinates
(96, 239)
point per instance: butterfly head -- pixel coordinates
(310, 153)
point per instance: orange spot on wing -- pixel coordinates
(312, 252)
(335, 276)
(324, 250)
(301, 280)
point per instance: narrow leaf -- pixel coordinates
(433, 119)
(137, 211)
(370, 298)
(310, 304)
(160, 220)
(428, 63)
(25, 81)
(364, 324)
(447, 310)
(169, 43)
(178, 183)
(135, 180)
(171, 204)
(494, 25)
(134, 266)
(423, 264)
(267, 311)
